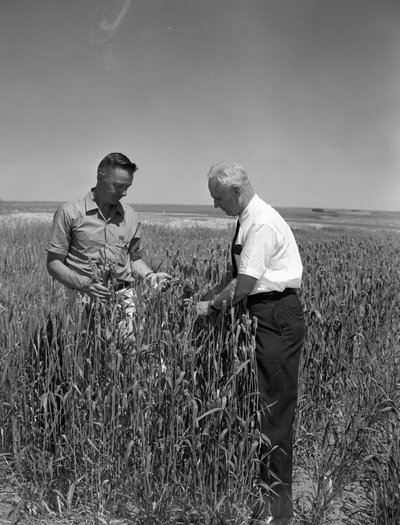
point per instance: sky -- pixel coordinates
(305, 94)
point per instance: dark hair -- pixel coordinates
(117, 160)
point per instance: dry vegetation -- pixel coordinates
(97, 428)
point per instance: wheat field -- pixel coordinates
(162, 428)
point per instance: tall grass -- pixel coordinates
(348, 419)
(163, 428)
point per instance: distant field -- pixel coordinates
(178, 215)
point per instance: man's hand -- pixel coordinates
(69, 278)
(204, 309)
(158, 279)
(96, 291)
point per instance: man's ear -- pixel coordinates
(237, 190)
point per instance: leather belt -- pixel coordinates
(121, 285)
(275, 294)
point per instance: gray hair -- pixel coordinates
(229, 173)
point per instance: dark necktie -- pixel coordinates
(234, 265)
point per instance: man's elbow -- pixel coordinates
(53, 263)
(50, 269)
(244, 286)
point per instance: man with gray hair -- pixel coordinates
(267, 271)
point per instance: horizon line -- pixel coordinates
(316, 209)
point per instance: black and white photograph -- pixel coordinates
(199, 262)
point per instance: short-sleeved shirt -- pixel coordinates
(268, 249)
(91, 243)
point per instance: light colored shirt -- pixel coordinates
(268, 249)
(91, 243)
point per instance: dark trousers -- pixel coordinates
(279, 339)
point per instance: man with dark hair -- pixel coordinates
(116, 160)
(98, 236)
(267, 270)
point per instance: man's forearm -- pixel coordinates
(226, 296)
(234, 292)
(141, 268)
(66, 276)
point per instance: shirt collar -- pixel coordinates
(91, 204)
(249, 209)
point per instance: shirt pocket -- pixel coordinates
(122, 244)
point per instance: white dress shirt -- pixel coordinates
(268, 249)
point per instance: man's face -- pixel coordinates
(225, 197)
(113, 184)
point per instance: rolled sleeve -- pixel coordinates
(60, 235)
